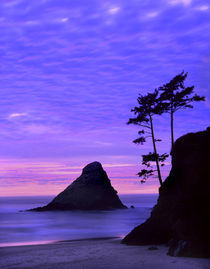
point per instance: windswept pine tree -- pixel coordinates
(176, 96)
(149, 105)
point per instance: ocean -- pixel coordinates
(25, 228)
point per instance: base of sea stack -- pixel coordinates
(181, 218)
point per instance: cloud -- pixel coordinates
(149, 15)
(152, 14)
(64, 19)
(177, 2)
(16, 115)
(38, 129)
(114, 10)
(202, 8)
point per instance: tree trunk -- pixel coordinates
(172, 129)
(155, 151)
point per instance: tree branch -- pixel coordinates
(142, 125)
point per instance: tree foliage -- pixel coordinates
(148, 106)
(169, 98)
(147, 160)
(175, 96)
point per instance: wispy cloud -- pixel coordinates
(152, 14)
(17, 115)
(203, 8)
(114, 10)
(184, 2)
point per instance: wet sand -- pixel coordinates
(98, 254)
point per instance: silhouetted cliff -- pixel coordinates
(181, 217)
(92, 190)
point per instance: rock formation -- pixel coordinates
(181, 217)
(92, 190)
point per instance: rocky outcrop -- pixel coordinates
(181, 217)
(92, 190)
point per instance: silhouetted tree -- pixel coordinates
(175, 96)
(149, 105)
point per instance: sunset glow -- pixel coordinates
(50, 178)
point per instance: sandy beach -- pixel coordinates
(101, 253)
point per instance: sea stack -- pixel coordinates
(181, 217)
(91, 191)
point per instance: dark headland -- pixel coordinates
(91, 191)
(181, 217)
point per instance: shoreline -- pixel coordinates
(100, 253)
(37, 243)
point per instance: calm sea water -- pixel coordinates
(20, 228)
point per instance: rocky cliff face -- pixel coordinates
(181, 217)
(92, 190)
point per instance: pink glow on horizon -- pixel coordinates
(49, 178)
(53, 189)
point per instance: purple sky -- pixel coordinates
(72, 70)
